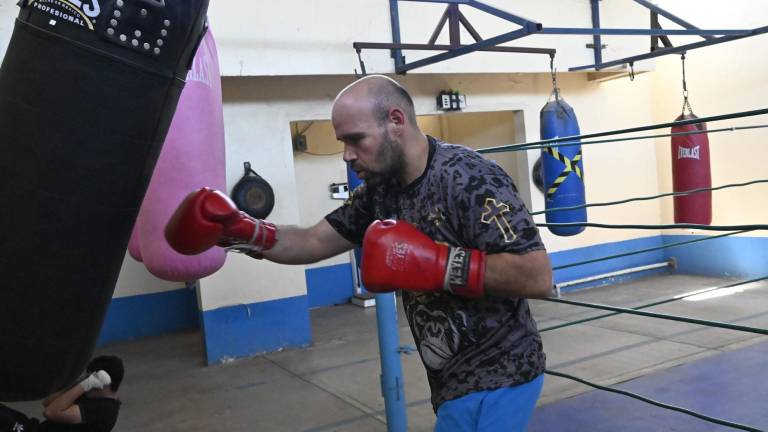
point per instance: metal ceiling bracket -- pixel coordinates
(454, 19)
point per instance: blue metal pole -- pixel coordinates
(397, 54)
(672, 50)
(669, 16)
(641, 32)
(596, 39)
(466, 49)
(392, 387)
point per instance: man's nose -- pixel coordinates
(349, 154)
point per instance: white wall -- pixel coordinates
(257, 116)
(480, 130)
(263, 37)
(8, 12)
(316, 169)
(135, 279)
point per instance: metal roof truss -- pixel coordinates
(455, 19)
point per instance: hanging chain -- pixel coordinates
(686, 104)
(362, 65)
(555, 89)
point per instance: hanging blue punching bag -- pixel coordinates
(87, 93)
(563, 167)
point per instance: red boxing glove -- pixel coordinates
(208, 218)
(396, 255)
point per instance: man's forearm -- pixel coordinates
(52, 397)
(297, 245)
(64, 400)
(294, 246)
(514, 276)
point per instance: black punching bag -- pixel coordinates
(87, 92)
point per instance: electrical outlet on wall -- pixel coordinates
(339, 191)
(451, 100)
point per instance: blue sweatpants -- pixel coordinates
(507, 409)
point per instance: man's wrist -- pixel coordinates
(465, 272)
(264, 238)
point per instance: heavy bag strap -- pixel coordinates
(553, 71)
(686, 104)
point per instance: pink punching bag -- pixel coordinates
(691, 170)
(192, 157)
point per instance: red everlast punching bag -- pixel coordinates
(87, 93)
(691, 170)
(690, 167)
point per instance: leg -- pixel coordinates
(459, 415)
(509, 409)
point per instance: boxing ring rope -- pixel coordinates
(656, 403)
(533, 146)
(718, 324)
(646, 198)
(737, 229)
(640, 251)
(656, 303)
(660, 226)
(552, 141)
(637, 310)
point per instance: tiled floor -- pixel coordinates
(334, 384)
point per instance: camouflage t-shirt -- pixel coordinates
(463, 200)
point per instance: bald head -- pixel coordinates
(377, 94)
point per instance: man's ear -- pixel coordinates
(398, 118)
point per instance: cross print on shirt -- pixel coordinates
(494, 211)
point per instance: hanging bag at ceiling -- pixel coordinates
(87, 92)
(691, 170)
(691, 167)
(562, 165)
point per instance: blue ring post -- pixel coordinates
(392, 386)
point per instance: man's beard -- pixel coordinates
(391, 159)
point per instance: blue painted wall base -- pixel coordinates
(742, 257)
(329, 285)
(135, 317)
(250, 329)
(602, 267)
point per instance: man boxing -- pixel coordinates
(435, 220)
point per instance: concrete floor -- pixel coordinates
(334, 384)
